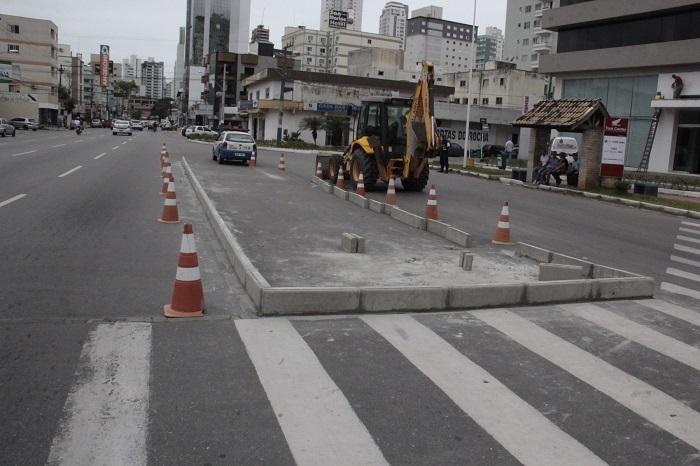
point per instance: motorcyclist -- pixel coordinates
(155, 126)
(78, 126)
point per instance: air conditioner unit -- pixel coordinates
(34, 86)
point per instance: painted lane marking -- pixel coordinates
(680, 273)
(681, 290)
(689, 230)
(24, 153)
(663, 344)
(685, 261)
(687, 238)
(105, 417)
(525, 432)
(79, 140)
(12, 199)
(103, 153)
(680, 247)
(59, 145)
(640, 397)
(671, 309)
(691, 224)
(115, 148)
(70, 171)
(317, 420)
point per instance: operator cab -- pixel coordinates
(385, 118)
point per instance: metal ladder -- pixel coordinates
(644, 164)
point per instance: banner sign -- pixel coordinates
(614, 147)
(338, 19)
(104, 65)
(5, 72)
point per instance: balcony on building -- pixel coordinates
(544, 46)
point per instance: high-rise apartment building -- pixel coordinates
(624, 53)
(212, 26)
(152, 79)
(352, 8)
(260, 34)
(489, 47)
(131, 68)
(392, 22)
(526, 40)
(447, 44)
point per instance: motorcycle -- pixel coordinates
(154, 128)
(78, 130)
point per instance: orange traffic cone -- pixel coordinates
(253, 160)
(360, 186)
(170, 214)
(166, 179)
(340, 182)
(280, 167)
(188, 296)
(431, 211)
(391, 193)
(503, 230)
(319, 170)
(164, 167)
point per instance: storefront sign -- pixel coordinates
(614, 147)
(338, 19)
(458, 135)
(5, 72)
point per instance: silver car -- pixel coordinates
(7, 128)
(25, 123)
(121, 127)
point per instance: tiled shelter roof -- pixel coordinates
(564, 115)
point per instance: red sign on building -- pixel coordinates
(104, 65)
(614, 147)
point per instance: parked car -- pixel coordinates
(121, 127)
(7, 128)
(106, 123)
(95, 123)
(184, 129)
(492, 150)
(25, 123)
(236, 146)
(199, 130)
(455, 150)
(136, 124)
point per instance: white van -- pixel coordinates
(562, 144)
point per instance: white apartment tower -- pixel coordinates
(489, 47)
(353, 8)
(392, 22)
(152, 79)
(525, 39)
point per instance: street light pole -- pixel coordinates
(469, 88)
(223, 97)
(281, 109)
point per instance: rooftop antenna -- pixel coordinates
(262, 20)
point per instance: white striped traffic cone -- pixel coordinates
(503, 230)
(188, 295)
(319, 170)
(170, 214)
(360, 186)
(280, 167)
(166, 179)
(340, 182)
(391, 193)
(431, 211)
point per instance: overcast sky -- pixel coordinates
(150, 28)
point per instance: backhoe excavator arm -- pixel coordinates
(422, 139)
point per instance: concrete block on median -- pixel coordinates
(341, 193)
(466, 260)
(624, 288)
(460, 237)
(558, 291)
(478, 296)
(392, 299)
(360, 243)
(309, 300)
(376, 206)
(348, 242)
(533, 252)
(408, 218)
(549, 272)
(587, 267)
(362, 201)
(437, 227)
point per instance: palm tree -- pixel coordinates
(314, 124)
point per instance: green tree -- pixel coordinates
(135, 114)
(161, 108)
(313, 124)
(124, 89)
(66, 99)
(336, 127)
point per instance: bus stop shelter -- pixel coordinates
(586, 116)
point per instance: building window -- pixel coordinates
(502, 82)
(526, 41)
(309, 60)
(462, 83)
(476, 101)
(13, 28)
(526, 25)
(485, 101)
(528, 9)
(267, 92)
(499, 100)
(257, 95)
(484, 82)
(12, 48)
(309, 49)
(369, 41)
(534, 57)
(323, 40)
(53, 34)
(380, 73)
(322, 50)
(309, 39)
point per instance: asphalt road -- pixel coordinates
(91, 373)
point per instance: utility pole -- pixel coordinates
(60, 79)
(223, 97)
(281, 109)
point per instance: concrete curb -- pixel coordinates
(273, 301)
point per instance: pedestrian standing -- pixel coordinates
(509, 149)
(677, 86)
(444, 156)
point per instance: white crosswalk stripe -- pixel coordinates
(685, 280)
(105, 419)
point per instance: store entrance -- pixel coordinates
(687, 154)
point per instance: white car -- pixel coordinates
(121, 127)
(136, 124)
(200, 130)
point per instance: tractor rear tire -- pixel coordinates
(334, 164)
(417, 184)
(364, 163)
